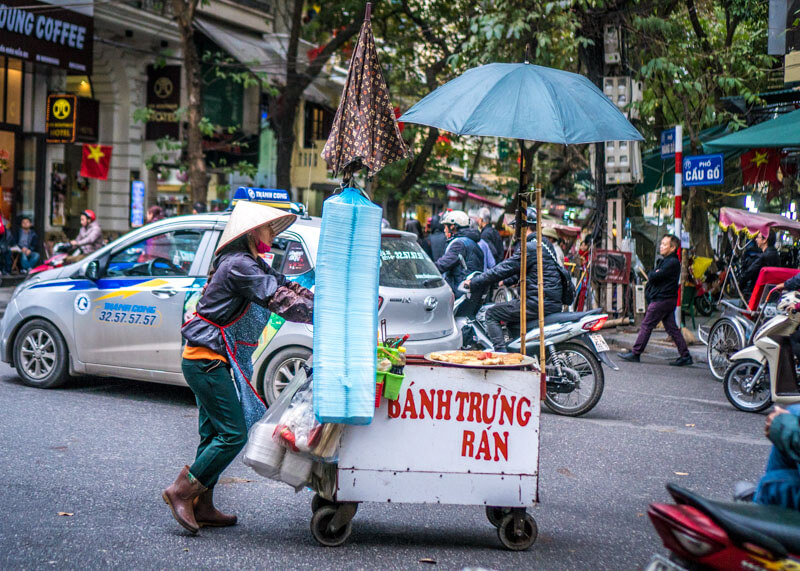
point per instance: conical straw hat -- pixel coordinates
(247, 216)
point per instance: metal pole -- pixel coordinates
(522, 234)
(678, 199)
(540, 285)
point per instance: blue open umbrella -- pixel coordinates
(525, 102)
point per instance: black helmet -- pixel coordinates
(530, 217)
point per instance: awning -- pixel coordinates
(783, 131)
(660, 172)
(473, 196)
(756, 222)
(259, 55)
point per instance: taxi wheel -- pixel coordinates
(40, 355)
(281, 369)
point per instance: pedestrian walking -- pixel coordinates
(661, 295)
(235, 306)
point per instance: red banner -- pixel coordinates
(612, 267)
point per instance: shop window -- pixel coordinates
(7, 158)
(318, 123)
(80, 85)
(10, 91)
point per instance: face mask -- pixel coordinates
(263, 247)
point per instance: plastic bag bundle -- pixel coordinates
(346, 309)
(262, 453)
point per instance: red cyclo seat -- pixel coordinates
(767, 279)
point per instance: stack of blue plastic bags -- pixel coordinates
(346, 309)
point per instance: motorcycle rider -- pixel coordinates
(90, 237)
(462, 255)
(509, 312)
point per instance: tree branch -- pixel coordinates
(697, 26)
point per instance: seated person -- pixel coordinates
(27, 241)
(767, 258)
(780, 485)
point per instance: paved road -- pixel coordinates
(103, 449)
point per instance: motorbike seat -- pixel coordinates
(771, 527)
(568, 316)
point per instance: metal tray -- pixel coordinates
(527, 361)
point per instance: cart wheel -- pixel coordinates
(320, 527)
(517, 537)
(318, 501)
(495, 514)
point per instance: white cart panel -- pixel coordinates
(455, 436)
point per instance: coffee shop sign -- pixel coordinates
(42, 27)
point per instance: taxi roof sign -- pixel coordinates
(261, 194)
(274, 197)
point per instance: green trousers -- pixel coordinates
(223, 432)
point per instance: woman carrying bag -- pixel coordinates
(241, 292)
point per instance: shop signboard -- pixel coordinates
(72, 119)
(701, 170)
(47, 34)
(163, 101)
(137, 203)
(668, 143)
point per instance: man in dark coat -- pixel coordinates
(661, 295)
(436, 242)
(28, 242)
(490, 235)
(462, 255)
(509, 312)
(769, 257)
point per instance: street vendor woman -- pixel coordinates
(234, 309)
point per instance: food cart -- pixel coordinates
(456, 435)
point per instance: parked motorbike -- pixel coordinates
(765, 372)
(575, 350)
(705, 534)
(61, 251)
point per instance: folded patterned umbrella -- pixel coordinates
(364, 131)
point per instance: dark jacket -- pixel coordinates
(511, 268)
(238, 280)
(34, 239)
(784, 432)
(793, 283)
(462, 246)
(663, 280)
(492, 237)
(769, 258)
(437, 241)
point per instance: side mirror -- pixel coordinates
(93, 270)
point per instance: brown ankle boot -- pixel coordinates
(180, 498)
(207, 515)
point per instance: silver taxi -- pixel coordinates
(119, 311)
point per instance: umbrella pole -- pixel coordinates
(540, 284)
(522, 230)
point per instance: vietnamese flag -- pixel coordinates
(95, 162)
(761, 165)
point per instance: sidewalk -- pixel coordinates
(5, 297)
(660, 345)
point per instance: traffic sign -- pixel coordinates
(668, 143)
(703, 170)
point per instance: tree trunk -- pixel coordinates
(697, 223)
(198, 175)
(284, 123)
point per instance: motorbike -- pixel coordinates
(61, 251)
(765, 372)
(706, 534)
(575, 352)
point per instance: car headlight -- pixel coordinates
(33, 280)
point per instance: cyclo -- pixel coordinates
(741, 317)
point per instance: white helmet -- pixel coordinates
(456, 218)
(789, 303)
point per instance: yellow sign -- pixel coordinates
(61, 108)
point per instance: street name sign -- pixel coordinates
(668, 143)
(701, 170)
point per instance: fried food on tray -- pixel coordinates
(477, 358)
